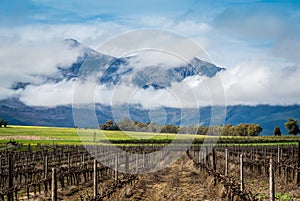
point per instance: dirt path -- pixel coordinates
(179, 181)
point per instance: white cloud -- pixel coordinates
(5, 93)
(49, 94)
(253, 83)
(179, 95)
(90, 34)
(155, 40)
(144, 58)
(31, 62)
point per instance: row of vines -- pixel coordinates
(67, 172)
(250, 172)
(58, 172)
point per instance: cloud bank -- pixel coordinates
(257, 42)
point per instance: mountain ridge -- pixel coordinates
(17, 113)
(113, 69)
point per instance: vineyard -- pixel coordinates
(64, 172)
(251, 172)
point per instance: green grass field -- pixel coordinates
(46, 135)
(55, 135)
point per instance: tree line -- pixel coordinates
(291, 125)
(3, 123)
(228, 130)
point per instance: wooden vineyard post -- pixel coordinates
(241, 173)
(278, 160)
(144, 160)
(199, 156)
(69, 162)
(136, 162)
(10, 196)
(278, 154)
(206, 157)
(69, 166)
(116, 167)
(95, 179)
(54, 185)
(214, 164)
(200, 159)
(126, 162)
(26, 178)
(226, 162)
(46, 167)
(203, 158)
(272, 185)
(298, 165)
(45, 173)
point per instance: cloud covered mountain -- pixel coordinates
(141, 72)
(110, 72)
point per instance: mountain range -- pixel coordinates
(114, 71)
(16, 112)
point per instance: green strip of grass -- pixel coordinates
(55, 135)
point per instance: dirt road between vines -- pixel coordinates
(179, 181)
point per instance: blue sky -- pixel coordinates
(76, 11)
(257, 41)
(81, 11)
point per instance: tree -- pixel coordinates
(292, 126)
(3, 123)
(126, 124)
(254, 129)
(202, 130)
(241, 130)
(227, 130)
(170, 128)
(258, 129)
(277, 131)
(109, 125)
(153, 127)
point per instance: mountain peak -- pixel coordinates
(72, 42)
(157, 76)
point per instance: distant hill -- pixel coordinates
(265, 115)
(15, 112)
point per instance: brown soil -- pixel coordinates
(179, 181)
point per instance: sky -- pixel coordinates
(258, 42)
